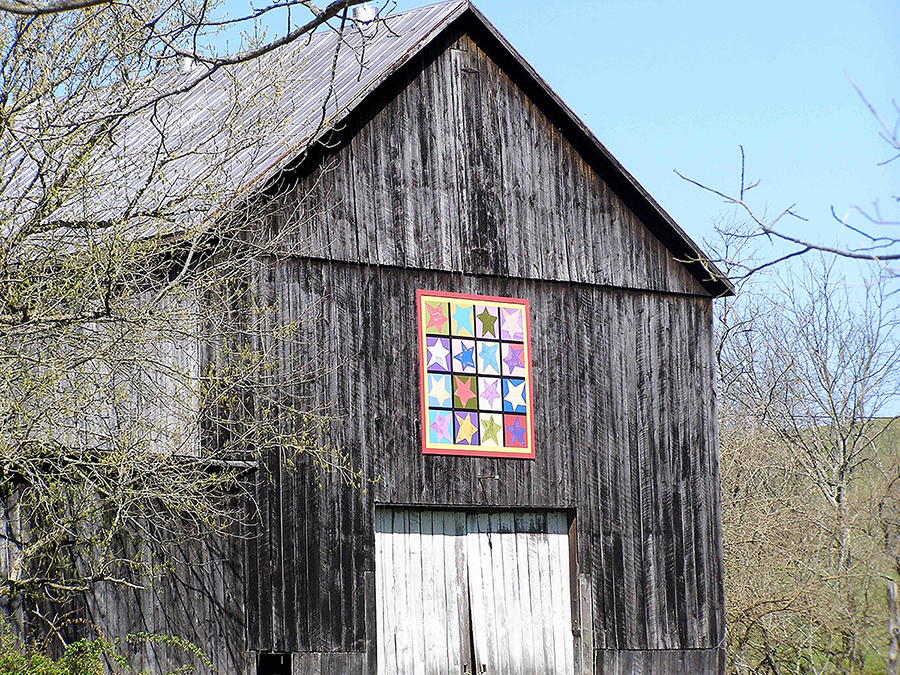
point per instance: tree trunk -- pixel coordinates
(893, 656)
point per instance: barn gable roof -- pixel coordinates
(294, 97)
(410, 32)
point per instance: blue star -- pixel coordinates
(466, 356)
(516, 433)
(489, 357)
(462, 315)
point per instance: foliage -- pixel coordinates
(141, 379)
(98, 656)
(810, 472)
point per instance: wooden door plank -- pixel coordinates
(480, 588)
(401, 592)
(515, 617)
(433, 610)
(558, 540)
(451, 597)
(415, 592)
(460, 591)
(543, 582)
(383, 563)
(531, 633)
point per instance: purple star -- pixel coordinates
(490, 393)
(516, 433)
(513, 358)
(441, 427)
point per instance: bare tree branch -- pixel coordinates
(30, 8)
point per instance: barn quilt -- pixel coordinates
(475, 375)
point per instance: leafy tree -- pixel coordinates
(808, 366)
(136, 386)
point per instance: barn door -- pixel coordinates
(473, 593)
(519, 595)
(421, 591)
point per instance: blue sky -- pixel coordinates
(669, 84)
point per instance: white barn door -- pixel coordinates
(519, 592)
(473, 593)
(421, 589)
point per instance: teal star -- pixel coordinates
(462, 316)
(489, 357)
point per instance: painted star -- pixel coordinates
(516, 433)
(490, 393)
(512, 322)
(436, 318)
(441, 427)
(489, 431)
(438, 389)
(462, 315)
(489, 357)
(466, 356)
(515, 394)
(464, 390)
(466, 429)
(437, 354)
(487, 322)
(513, 358)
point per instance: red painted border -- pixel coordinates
(423, 429)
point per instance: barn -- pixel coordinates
(517, 344)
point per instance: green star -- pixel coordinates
(487, 322)
(489, 431)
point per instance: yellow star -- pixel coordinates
(438, 390)
(466, 429)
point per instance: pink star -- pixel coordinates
(464, 390)
(512, 322)
(436, 318)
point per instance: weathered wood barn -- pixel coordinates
(518, 350)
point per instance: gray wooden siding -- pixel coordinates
(660, 662)
(624, 405)
(200, 599)
(453, 167)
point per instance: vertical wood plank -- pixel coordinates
(586, 607)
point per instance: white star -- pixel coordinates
(512, 321)
(515, 394)
(438, 390)
(437, 354)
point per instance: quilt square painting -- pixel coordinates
(475, 375)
